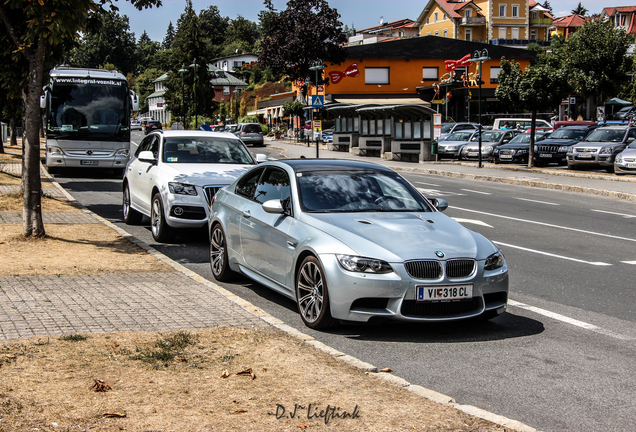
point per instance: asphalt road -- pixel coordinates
(562, 357)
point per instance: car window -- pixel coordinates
(606, 135)
(447, 127)
(631, 133)
(459, 136)
(331, 192)
(488, 136)
(251, 128)
(205, 150)
(567, 134)
(274, 184)
(154, 146)
(521, 138)
(246, 187)
(144, 145)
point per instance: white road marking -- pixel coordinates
(477, 192)
(629, 262)
(427, 184)
(540, 202)
(551, 255)
(614, 213)
(546, 224)
(568, 320)
(435, 192)
(473, 221)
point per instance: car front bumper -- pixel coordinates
(361, 296)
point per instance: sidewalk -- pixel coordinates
(165, 296)
(559, 178)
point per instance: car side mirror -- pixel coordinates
(147, 156)
(630, 139)
(273, 206)
(439, 204)
(260, 158)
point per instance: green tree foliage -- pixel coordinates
(110, 42)
(306, 32)
(213, 27)
(542, 85)
(293, 108)
(146, 52)
(596, 61)
(144, 86)
(548, 6)
(167, 40)
(188, 47)
(242, 31)
(580, 10)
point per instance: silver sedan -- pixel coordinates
(625, 162)
(351, 241)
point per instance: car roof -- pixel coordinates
(303, 165)
(194, 133)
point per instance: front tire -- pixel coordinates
(161, 231)
(218, 256)
(312, 295)
(131, 216)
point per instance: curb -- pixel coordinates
(369, 369)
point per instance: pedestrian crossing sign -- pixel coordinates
(318, 101)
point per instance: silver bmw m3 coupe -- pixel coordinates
(351, 241)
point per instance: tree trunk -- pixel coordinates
(14, 132)
(32, 223)
(533, 126)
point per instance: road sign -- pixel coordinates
(318, 101)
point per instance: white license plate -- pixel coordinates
(630, 165)
(442, 293)
(503, 156)
(584, 155)
(545, 155)
(473, 153)
(89, 162)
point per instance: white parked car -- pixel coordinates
(173, 176)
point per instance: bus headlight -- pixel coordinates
(55, 151)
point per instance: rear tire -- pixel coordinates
(161, 231)
(131, 216)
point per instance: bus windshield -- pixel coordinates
(83, 108)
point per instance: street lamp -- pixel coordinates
(196, 115)
(182, 71)
(480, 56)
(317, 66)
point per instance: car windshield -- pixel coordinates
(523, 138)
(459, 136)
(606, 135)
(205, 150)
(360, 191)
(488, 137)
(567, 134)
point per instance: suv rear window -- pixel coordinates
(252, 128)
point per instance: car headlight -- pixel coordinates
(123, 152)
(606, 150)
(494, 261)
(536, 148)
(55, 151)
(619, 158)
(182, 189)
(570, 150)
(451, 148)
(363, 265)
(564, 149)
(487, 149)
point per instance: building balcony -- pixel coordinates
(473, 21)
(541, 22)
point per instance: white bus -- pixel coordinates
(87, 120)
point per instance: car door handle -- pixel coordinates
(247, 214)
(292, 244)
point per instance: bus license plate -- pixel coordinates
(89, 162)
(441, 293)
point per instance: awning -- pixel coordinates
(384, 101)
(261, 111)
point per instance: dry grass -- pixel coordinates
(13, 203)
(72, 249)
(174, 382)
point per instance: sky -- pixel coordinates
(359, 14)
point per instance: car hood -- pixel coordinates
(203, 174)
(596, 144)
(558, 142)
(475, 145)
(397, 237)
(629, 152)
(514, 146)
(451, 143)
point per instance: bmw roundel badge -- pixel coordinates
(439, 254)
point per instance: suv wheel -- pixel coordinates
(161, 231)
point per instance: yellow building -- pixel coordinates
(503, 22)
